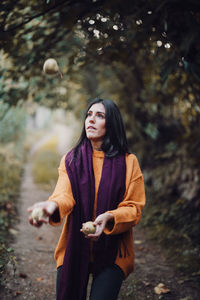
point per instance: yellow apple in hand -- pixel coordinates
(38, 214)
(88, 228)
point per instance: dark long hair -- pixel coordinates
(115, 141)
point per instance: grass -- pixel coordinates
(45, 163)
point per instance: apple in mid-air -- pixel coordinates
(51, 67)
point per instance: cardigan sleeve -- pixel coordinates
(62, 195)
(128, 212)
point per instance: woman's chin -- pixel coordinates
(91, 137)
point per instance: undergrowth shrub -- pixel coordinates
(10, 179)
(171, 215)
(12, 133)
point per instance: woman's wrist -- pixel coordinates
(110, 220)
(109, 216)
(55, 214)
(52, 206)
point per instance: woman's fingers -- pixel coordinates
(96, 235)
(40, 212)
(38, 222)
(100, 224)
(35, 223)
(30, 209)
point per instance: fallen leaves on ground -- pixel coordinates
(38, 238)
(161, 289)
(146, 283)
(40, 278)
(17, 293)
(138, 242)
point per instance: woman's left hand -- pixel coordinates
(100, 223)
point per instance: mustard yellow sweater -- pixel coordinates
(126, 215)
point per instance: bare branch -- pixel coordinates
(64, 2)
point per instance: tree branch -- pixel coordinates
(37, 15)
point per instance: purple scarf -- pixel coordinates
(74, 274)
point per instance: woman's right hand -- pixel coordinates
(48, 208)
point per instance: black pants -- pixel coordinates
(105, 286)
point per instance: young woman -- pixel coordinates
(99, 180)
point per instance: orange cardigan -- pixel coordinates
(126, 215)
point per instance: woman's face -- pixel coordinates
(95, 123)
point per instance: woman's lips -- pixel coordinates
(91, 128)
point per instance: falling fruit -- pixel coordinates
(88, 228)
(51, 67)
(38, 214)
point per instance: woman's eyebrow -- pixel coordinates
(98, 112)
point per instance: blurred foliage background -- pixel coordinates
(143, 54)
(45, 164)
(12, 133)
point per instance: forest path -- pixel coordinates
(35, 276)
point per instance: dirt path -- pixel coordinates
(35, 275)
(35, 269)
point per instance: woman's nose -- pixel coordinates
(92, 119)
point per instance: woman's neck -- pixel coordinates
(96, 145)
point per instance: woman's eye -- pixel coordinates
(101, 116)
